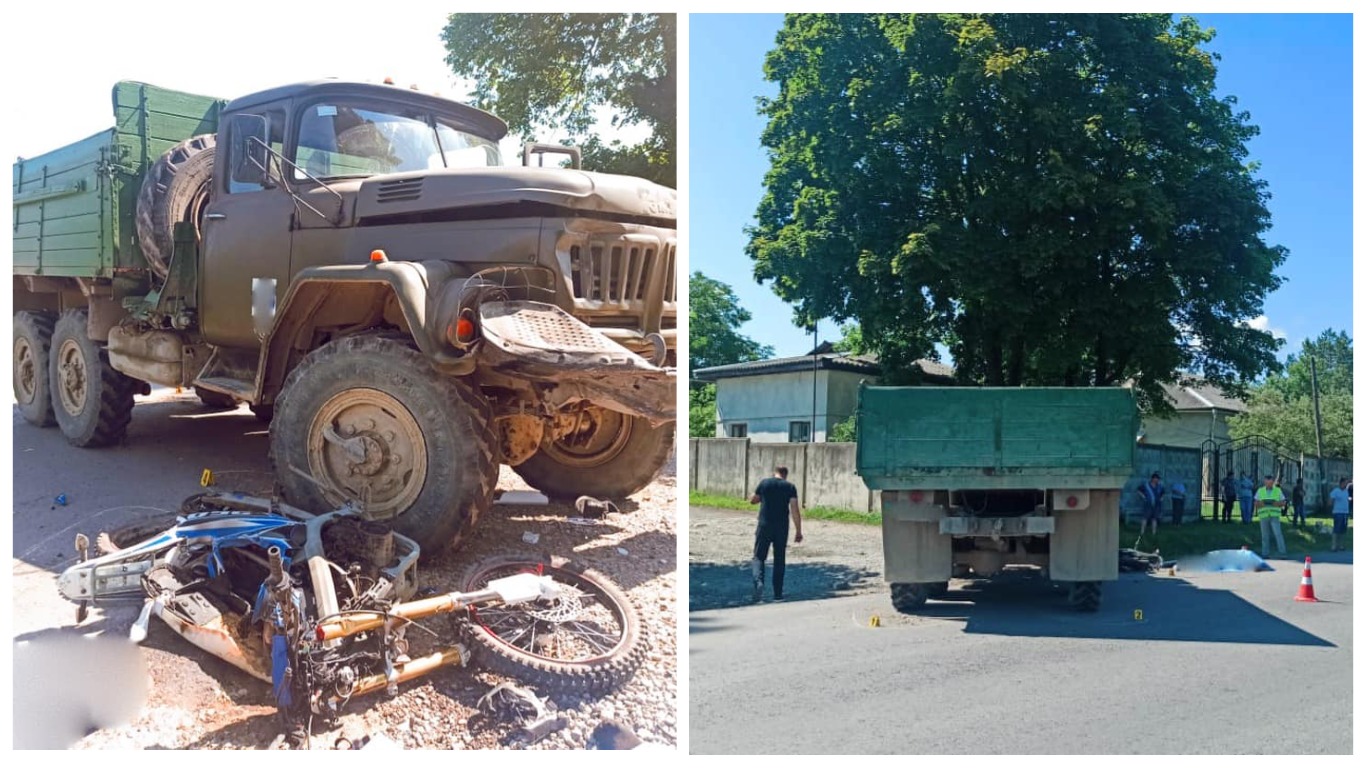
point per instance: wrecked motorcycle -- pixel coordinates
(320, 606)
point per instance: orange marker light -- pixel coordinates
(464, 330)
(377, 256)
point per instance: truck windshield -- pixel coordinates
(340, 139)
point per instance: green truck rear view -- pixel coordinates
(977, 479)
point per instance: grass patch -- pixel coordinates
(1196, 537)
(699, 499)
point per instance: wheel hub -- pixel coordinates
(72, 377)
(588, 436)
(25, 371)
(364, 445)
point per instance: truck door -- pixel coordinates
(244, 270)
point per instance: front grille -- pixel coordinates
(402, 190)
(618, 271)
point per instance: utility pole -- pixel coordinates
(815, 358)
(1318, 430)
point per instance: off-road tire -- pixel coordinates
(593, 676)
(107, 406)
(1084, 596)
(175, 189)
(33, 335)
(910, 597)
(216, 400)
(629, 470)
(455, 421)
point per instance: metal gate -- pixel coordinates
(1255, 455)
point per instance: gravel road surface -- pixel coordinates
(197, 701)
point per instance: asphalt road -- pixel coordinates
(1218, 664)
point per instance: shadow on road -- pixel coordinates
(729, 585)
(1171, 609)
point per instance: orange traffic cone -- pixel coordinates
(1306, 594)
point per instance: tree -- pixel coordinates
(702, 411)
(1060, 200)
(1282, 408)
(714, 317)
(541, 71)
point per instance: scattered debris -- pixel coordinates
(580, 521)
(622, 551)
(612, 734)
(522, 497)
(1134, 561)
(591, 507)
(60, 500)
(510, 701)
(530, 538)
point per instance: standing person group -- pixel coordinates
(1342, 508)
(1270, 506)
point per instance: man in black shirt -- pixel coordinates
(777, 500)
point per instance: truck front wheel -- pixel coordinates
(366, 418)
(92, 402)
(598, 453)
(32, 390)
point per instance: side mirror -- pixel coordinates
(250, 152)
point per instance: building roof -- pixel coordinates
(826, 360)
(1192, 394)
(829, 361)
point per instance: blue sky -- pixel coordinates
(1293, 73)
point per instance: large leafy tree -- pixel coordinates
(714, 319)
(1282, 408)
(714, 315)
(1060, 200)
(549, 71)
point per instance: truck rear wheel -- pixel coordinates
(32, 387)
(367, 418)
(605, 453)
(92, 402)
(175, 189)
(1084, 596)
(910, 597)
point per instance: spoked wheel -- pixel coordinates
(589, 640)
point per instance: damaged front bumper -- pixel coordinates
(572, 362)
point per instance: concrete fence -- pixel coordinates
(824, 472)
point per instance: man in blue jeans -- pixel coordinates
(1245, 489)
(1151, 493)
(777, 500)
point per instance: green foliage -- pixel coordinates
(714, 314)
(541, 71)
(851, 340)
(702, 411)
(1060, 200)
(1282, 408)
(845, 432)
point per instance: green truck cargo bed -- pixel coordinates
(969, 438)
(74, 207)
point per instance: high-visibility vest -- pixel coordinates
(1272, 494)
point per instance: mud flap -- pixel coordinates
(543, 343)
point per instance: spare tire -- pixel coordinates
(175, 189)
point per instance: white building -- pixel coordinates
(775, 401)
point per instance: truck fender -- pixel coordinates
(353, 296)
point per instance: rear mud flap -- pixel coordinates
(543, 343)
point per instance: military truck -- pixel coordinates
(974, 480)
(356, 263)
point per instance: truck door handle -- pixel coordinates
(215, 215)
